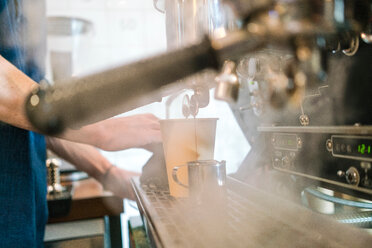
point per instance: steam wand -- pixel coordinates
(81, 101)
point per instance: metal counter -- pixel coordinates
(247, 218)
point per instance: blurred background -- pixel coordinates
(86, 36)
(303, 106)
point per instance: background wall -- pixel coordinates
(123, 30)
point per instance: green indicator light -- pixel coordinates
(362, 148)
(369, 149)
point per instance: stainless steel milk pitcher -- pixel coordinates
(206, 179)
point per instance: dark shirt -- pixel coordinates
(23, 209)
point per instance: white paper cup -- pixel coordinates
(186, 140)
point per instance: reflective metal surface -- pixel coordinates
(206, 180)
(249, 218)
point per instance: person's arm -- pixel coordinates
(15, 86)
(112, 134)
(90, 160)
(118, 133)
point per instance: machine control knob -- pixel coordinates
(329, 145)
(286, 162)
(277, 162)
(340, 173)
(352, 176)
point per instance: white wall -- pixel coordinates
(124, 30)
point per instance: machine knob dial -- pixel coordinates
(286, 161)
(352, 176)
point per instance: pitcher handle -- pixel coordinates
(175, 178)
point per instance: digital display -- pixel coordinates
(363, 149)
(285, 141)
(352, 147)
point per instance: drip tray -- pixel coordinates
(248, 218)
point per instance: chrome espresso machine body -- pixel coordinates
(297, 75)
(307, 109)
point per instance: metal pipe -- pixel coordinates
(95, 97)
(244, 8)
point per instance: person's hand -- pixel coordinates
(129, 132)
(117, 181)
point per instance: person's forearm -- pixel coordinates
(15, 87)
(90, 160)
(119, 133)
(84, 157)
(112, 134)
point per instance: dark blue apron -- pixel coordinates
(23, 209)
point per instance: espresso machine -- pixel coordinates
(296, 75)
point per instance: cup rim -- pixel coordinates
(206, 162)
(188, 119)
